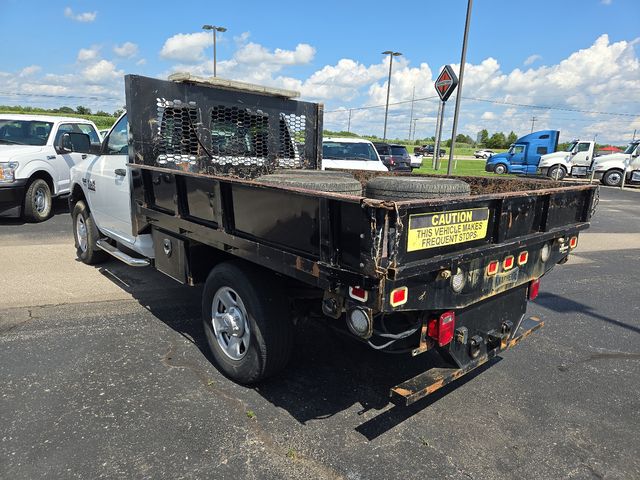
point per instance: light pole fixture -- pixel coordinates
(386, 110)
(215, 29)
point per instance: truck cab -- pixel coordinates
(575, 160)
(524, 155)
(610, 169)
(36, 154)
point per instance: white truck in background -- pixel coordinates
(36, 153)
(609, 169)
(575, 160)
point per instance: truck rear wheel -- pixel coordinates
(85, 234)
(403, 188)
(37, 201)
(246, 322)
(322, 181)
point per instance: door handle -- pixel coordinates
(121, 172)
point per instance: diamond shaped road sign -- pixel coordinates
(446, 83)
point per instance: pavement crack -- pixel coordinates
(600, 356)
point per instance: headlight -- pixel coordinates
(7, 171)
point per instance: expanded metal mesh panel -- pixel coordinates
(291, 151)
(213, 131)
(177, 139)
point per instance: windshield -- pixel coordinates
(24, 132)
(348, 151)
(571, 146)
(401, 151)
(632, 146)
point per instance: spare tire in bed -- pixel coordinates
(320, 182)
(318, 173)
(403, 188)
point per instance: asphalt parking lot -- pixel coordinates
(105, 373)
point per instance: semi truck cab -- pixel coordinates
(524, 155)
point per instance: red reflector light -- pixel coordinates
(442, 329)
(573, 242)
(523, 258)
(399, 296)
(508, 263)
(358, 293)
(534, 288)
(492, 268)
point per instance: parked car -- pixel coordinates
(483, 153)
(395, 157)
(350, 154)
(427, 150)
(36, 152)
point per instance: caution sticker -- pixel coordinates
(432, 230)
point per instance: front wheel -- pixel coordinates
(557, 172)
(37, 201)
(613, 178)
(85, 234)
(246, 322)
(500, 169)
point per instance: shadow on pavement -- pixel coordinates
(60, 207)
(565, 305)
(328, 372)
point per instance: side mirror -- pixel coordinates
(74, 142)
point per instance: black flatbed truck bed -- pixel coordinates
(337, 246)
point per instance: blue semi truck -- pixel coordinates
(524, 155)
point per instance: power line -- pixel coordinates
(50, 95)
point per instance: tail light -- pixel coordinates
(534, 288)
(399, 296)
(442, 328)
(523, 258)
(508, 262)
(573, 242)
(358, 293)
(492, 268)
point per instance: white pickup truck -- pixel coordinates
(609, 168)
(36, 153)
(575, 160)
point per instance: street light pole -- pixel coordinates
(386, 110)
(459, 94)
(215, 29)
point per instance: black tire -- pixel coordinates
(270, 328)
(402, 188)
(325, 182)
(500, 169)
(613, 178)
(86, 250)
(315, 173)
(562, 172)
(37, 201)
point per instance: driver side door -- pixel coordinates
(582, 157)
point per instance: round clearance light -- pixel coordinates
(458, 281)
(545, 253)
(359, 323)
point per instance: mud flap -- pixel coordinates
(432, 380)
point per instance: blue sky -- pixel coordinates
(568, 54)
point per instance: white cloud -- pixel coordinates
(30, 70)
(186, 47)
(88, 54)
(255, 54)
(605, 2)
(142, 61)
(532, 59)
(84, 17)
(488, 116)
(126, 50)
(101, 71)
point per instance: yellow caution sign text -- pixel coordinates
(432, 230)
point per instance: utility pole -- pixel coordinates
(533, 122)
(634, 135)
(414, 129)
(413, 96)
(349, 123)
(386, 110)
(463, 58)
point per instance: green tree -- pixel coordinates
(66, 110)
(484, 136)
(80, 110)
(511, 138)
(497, 140)
(118, 112)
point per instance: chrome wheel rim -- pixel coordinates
(614, 178)
(41, 200)
(230, 323)
(499, 169)
(81, 233)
